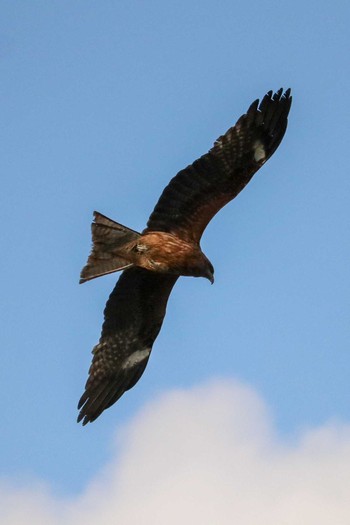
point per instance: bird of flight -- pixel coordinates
(168, 248)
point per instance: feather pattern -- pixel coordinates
(108, 241)
(199, 191)
(133, 316)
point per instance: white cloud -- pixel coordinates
(208, 455)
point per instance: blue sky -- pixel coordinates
(101, 104)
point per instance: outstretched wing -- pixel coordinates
(199, 191)
(134, 315)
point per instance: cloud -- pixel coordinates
(208, 455)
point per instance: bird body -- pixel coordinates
(155, 251)
(167, 253)
(168, 248)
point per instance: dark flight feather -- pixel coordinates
(198, 192)
(107, 238)
(133, 315)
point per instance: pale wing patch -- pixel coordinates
(259, 151)
(136, 358)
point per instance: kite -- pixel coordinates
(167, 248)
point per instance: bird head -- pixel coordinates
(207, 270)
(209, 274)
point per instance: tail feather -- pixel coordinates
(108, 252)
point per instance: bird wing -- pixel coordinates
(198, 192)
(133, 317)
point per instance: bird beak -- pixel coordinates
(210, 277)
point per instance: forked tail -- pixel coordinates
(108, 254)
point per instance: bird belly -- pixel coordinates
(166, 253)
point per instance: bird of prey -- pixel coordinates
(167, 248)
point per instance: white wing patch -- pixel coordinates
(136, 358)
(259, 151)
